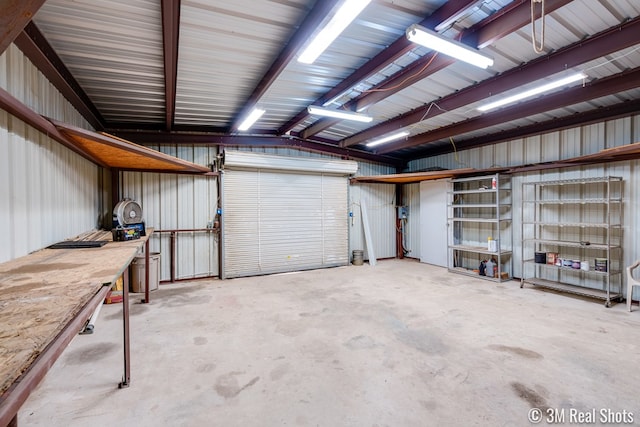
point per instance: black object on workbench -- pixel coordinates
(79, 244)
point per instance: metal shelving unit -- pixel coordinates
(579, 222)
(479, 208)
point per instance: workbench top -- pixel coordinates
(42, 292)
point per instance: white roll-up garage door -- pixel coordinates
(283, 214)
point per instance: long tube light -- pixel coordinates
(425, 37)
(253, 117)
(336, 25)
(339, 114)
(532, 92)
(388, 138)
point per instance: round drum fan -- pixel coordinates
(126, 213)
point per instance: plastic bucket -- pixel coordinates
(358, 257)
(137, 272)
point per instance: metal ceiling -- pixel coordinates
(190, 70)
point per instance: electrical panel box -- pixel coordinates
(403, 212)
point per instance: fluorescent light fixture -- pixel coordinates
(251, 119)
(339, 114)
(532, 92)
(432, 40)
(388, 138)
(336, 25)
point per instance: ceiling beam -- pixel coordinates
(170, 36)
(592, 90)
(19, 110)
(623, 109)
(35, 46)
(395, 50)
(602, 44)
(512, 17)
(314, 19)
(147, 138)
(14, 16)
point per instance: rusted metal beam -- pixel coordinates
(604, 43)
(617, 83)
(146, 137)
(622, 109)
(14, 16)
(314, 18)
(395, 50)
(35, 46)
(170, 35)
(513, 17)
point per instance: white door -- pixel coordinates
(433, 222)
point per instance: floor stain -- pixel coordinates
(422, 340)
(91, 354)
(360, 342)
(206, 367)
(200, 340)
(429, 405)
(290, 328)
(529, 354)
(532, 397)
(279, 372)
(228, 387)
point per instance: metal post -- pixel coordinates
(173, 256)
(125, 325)
(146, 271)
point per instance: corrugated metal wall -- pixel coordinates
(381, 201)
(173, 201)
(561, 145)
(48, 192)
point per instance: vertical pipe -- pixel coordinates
(125, 323)
(146, 271)
(399, 245)
(172, 256)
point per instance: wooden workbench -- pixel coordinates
(45, 298)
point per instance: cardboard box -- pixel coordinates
(552, 258)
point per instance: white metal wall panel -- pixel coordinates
(562, 145)
(173, 201)
(48, 192)
(380, 200)
(278, 221)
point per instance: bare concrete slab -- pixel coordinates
(399, 344)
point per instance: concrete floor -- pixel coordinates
(399, 344)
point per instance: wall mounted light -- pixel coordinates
(349, 10)
(425, 37)
(532, 92)
(339, 114)
(388, 138)
(255, 114)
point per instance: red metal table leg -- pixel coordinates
(146, 272)
(125, 323)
